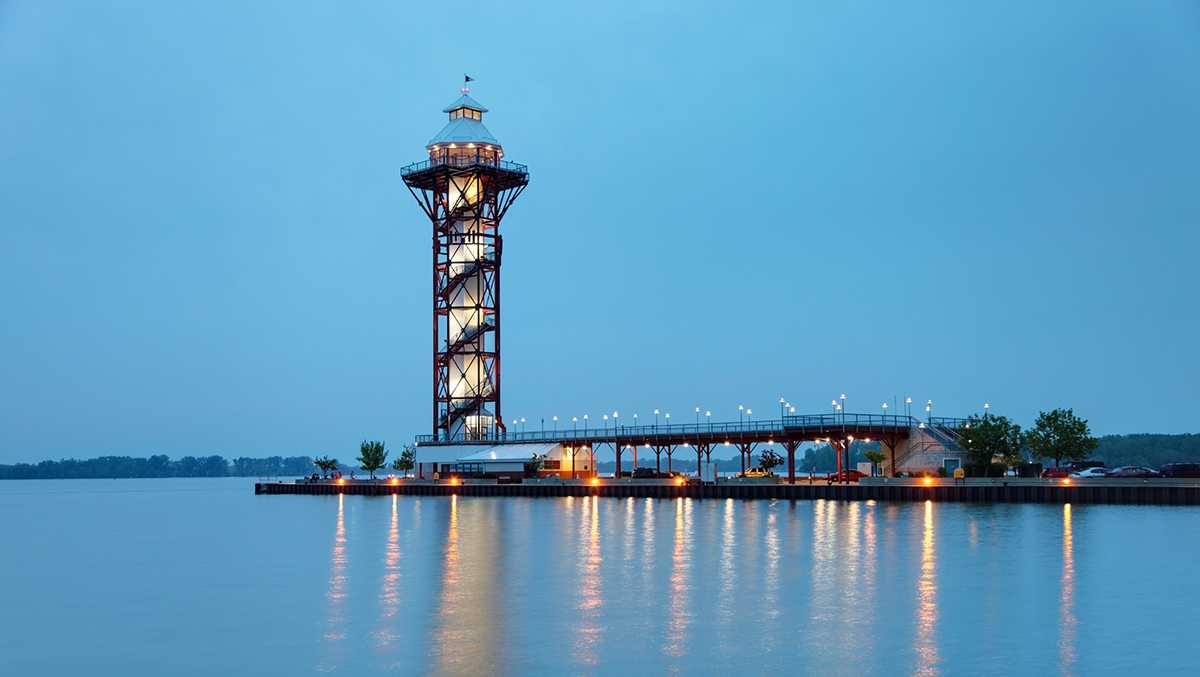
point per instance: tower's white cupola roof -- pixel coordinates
(465, 125)
(465, 101)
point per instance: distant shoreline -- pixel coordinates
(1150, 449)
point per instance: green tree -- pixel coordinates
(769, 460)
(326, 465)
(407, 460)
(371, 456)
(875, 457)
(535, 464)
(990, 438)
(1061, 435)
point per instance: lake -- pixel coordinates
(201, 577)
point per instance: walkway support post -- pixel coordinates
(791, 460)
(746, 449)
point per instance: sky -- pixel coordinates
(206, 247)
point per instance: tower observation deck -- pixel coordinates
(465, 187)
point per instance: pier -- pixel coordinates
(1113, 491)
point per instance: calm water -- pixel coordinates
(151, 577)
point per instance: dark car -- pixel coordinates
(1180, 470)
(845, 476)
(1133, 471)
(645, 474)
(1056, 473)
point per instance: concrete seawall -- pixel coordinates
(1116, 492)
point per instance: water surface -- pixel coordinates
(200, 577)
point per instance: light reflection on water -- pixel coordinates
(927, 609)
(770, 615)
(389, 594)
(336, 593)
(466, 585)
(681, 581)
(590, 631)
(1067, 621)
(725, 613)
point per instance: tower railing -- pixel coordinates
(464, 161)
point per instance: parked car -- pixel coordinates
(846, 476)
(645, 474)
(1090, 473)
(755, 472)
(1180, 470)
(1077, 466)
(1056, 473)
(1132, 471)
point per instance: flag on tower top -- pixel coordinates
(467, 78)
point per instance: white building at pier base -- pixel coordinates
(498, 460)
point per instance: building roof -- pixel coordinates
(448, 453)
(508, 452)
(463, 130)
(465, 101)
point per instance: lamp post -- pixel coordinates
(908, 407)
(708, 417)
(522, 425)
(697, 418)
(884, 405)
(655, 419)
(615, 415)
(843, 398)
(986, 406)
(741, 410)
(929, 411)
(574, 426)
(555, 419)
(585, 424)
(781, 403)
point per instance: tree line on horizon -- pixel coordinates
(159, 465)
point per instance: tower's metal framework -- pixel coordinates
(465, 188)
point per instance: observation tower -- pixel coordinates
(465, 187)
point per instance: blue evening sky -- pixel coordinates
(205, 246)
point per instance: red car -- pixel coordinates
(1056, 473)
(845, 476)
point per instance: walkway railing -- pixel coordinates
(788, 426)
